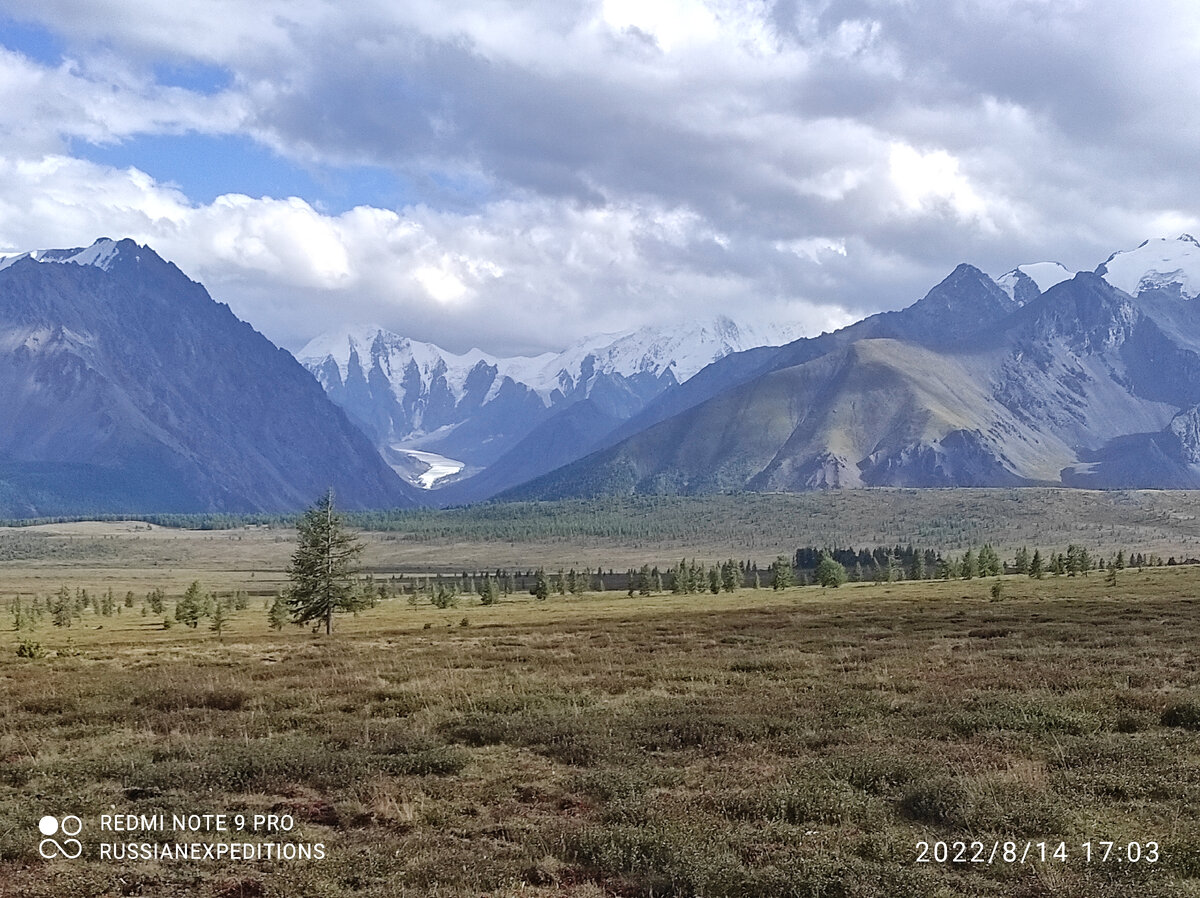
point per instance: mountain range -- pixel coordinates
(128, 389)
(1039, 377)
(472, 424)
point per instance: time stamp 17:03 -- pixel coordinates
(1030, 852)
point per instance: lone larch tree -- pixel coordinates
(323, 566)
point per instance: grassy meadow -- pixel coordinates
(755, 743)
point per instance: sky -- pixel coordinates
(515, 176)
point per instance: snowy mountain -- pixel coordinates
(1026, 282)
(100, 254)
(436, 415)
(1158, 264)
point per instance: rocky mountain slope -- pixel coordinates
(128, 389)
(1091, 380)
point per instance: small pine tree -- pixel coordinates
(190, 608)
(1021, 561)
(969, 567)
(918, 565)
(323, 566)
(62, 612)
(731, 576)
(220, 617)
(541, 586)
(277, 614)
(644, 582)
(784, 576)
(1037, 568)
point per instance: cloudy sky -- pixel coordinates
(516, 175)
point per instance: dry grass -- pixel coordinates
(749, 744)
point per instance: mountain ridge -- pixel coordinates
(1057, 385)
(144, 394)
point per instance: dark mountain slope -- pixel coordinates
(129, 389)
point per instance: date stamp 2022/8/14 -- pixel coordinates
(1095, 851)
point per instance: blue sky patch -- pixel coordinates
(38, 43)
(206, 166)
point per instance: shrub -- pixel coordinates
(1182, 714)
(939, 800)
(30, 649)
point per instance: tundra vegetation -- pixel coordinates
(740, 741)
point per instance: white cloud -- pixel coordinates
(526, 274)
(923, 179)
(598, 164)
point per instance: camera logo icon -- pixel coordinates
(69, 848)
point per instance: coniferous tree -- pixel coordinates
(731, 576)
(969, 567)
(190, 608)
(1059, 565)
(220, 617)
(157, 600)
(323, 566)
(277, 614)
(784, 576)
(918, 566)
(1021, 561)
(541, 586)
(61, 610)
(989, 562)
(1037, 568)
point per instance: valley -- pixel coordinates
(749, 743)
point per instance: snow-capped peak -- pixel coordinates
(100, 255)
(682, 350)
(1044, 275)
(1157, 263)
(394, 354)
